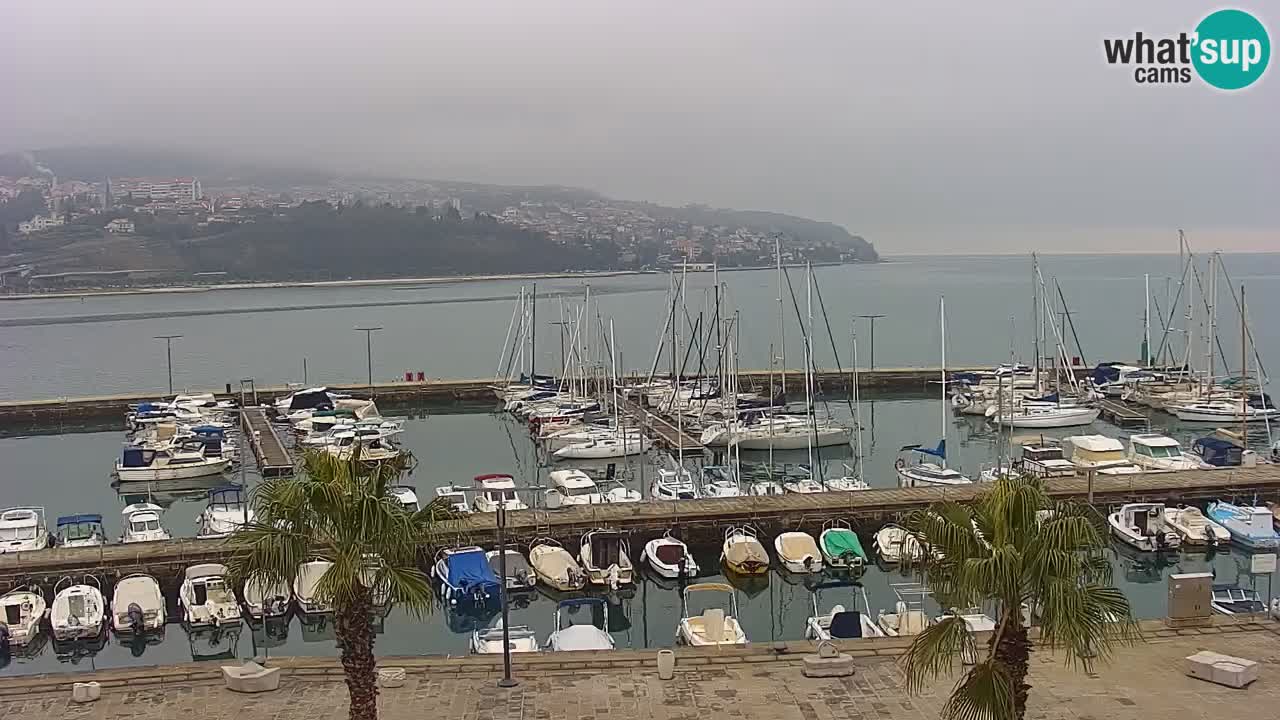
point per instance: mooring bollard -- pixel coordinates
(666, 664)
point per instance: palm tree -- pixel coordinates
(340, 511)
(1013, 550)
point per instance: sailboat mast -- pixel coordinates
(533, 334)
(808, 364)
(1244, 377)
(1146, 319)
(1037, 326)
(782, 326)
(857, 399)
(1213, 315)
(942, 410)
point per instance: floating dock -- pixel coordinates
(661, 428)
(273, 457)
(698, 521)
(1122, 414)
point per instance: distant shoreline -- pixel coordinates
(371, 282)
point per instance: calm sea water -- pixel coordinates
(100, 345)
(70, 473)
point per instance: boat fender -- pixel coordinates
(899, 464)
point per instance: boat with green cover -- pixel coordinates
(841, 547)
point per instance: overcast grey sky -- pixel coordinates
(927, 126)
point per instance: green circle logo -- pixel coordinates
(1231, 49)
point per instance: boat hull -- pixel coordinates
(181, 472)
(1084, 416)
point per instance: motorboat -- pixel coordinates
(908, 617)
(519, 575)
(1045, 462)
(24, 609)
(1194, 528)
(348, 445)
(315, 398)
(715, 625)
(606, 558)
(1215, 452)
(142, 465)
(841, 548)
(137, 606)
(1231, 600)
(1044, 416)
(22, 529)
(742, 553)
(975, 620)
(600, 448)
(1250, 527)
(669, 557)
(465, 577)
(798, 552)
(454, 497)
(407, 495)
(556, 566)
(227, 512)
(1224, 412)
(1142, 526)
(80, 531)
(719, 481)
(1160, 452)
(306, 588)
(496, 490)
(849, 482)
(802, 484)
(1102, 454)
(79, 610)
(205, 597)
(924, 473)
(840, 623)
(575, 487)
(580, 636)
(141, 523)
(764, 486)
(263, 599)
(673, 484)
(894, 544)
(489, 640)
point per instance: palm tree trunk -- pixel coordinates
(355, 637)
(1014, 652)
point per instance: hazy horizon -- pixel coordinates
(927, 129)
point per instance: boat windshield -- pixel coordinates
(18, 533)
(501, 495)
(145, 525)
(580, 491)
(1165, 451)
(79, 531)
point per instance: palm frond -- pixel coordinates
(935, 651)
(986, 692)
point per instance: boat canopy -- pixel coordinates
(1217, 452)
(212, 430)
(964, 378)
(229, 495)
(78, 519)
(136, 457)
(311, 400)
(839, 544)
(470, 569)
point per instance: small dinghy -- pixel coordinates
(894, 544)
(606, 558)
(669, 557)
(841, 547)
(488, 641)
(798, 552)
(581, 636)
(79, 611)
(264, 600)
(840, 623)
(23, 610)
(742, 553)
(1232, 600)
(465, 577)
(715, 625)
(306, 584)
(206, 599)
(137, 606)
(555, 566)
(519, 576)
(908, 616)
(1194, 528)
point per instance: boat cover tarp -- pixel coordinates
(1105, 373)
(136, 457)
(469, 570)
(743, 552)
(842, 543)
(670, 553)
(797, 546)
(310, 400)
(76, 519)
(1217, 452)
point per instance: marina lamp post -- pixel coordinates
(872, 318)
(168, 354)
(368, 351)
(507, 681)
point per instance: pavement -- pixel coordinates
(1143, 681)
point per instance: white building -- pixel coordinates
(120, 226)
(40, 223)
(156, 188)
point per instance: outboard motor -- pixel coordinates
(4, 640)
(274, 605)
(136, 620)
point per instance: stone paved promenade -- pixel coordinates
(1143, 682)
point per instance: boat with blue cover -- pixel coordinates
(80, 531)
(465, 577)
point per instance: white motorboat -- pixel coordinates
(1142, 526)
(143, 465)
(1045, 461)
(141, 523)
(79, 611)
(1251, 527)
(519, 575)
(673, 484)
(23, 610)
(841, 548)
(714, 626)
(669, 557)
(742, 553)
(849, 482)
(840, 623)
(802, 484)
(489, 641)
(226, 512)
(1160, 452)
(206, 599)
(22, 529)
(80, 531)
(974, 619)
(894, 544)
(306, 588)
(763, 486)
(455, 497)
(719, 481)
(1100, 453)
(1044, 416)
(606, 558)
(1223, 412)
(555, 566)
(798, 552)
(407, 495)
(575, 487)
(137, 605)
(908, 617)
(348, 445)
(581, 636)
(1231, 600)
(264, 599)
(496, 490)
(605, 447)
(1194, 527)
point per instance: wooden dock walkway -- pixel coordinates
(666, 432)
(1122, 414)
(274, 459)
(698, 521)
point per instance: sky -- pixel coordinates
(927, 127)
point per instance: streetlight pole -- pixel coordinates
(872, 318)
(507, 681)
(368, 351)
(168, 354)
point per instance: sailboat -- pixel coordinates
(925, 472)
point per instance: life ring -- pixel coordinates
(899, 464)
